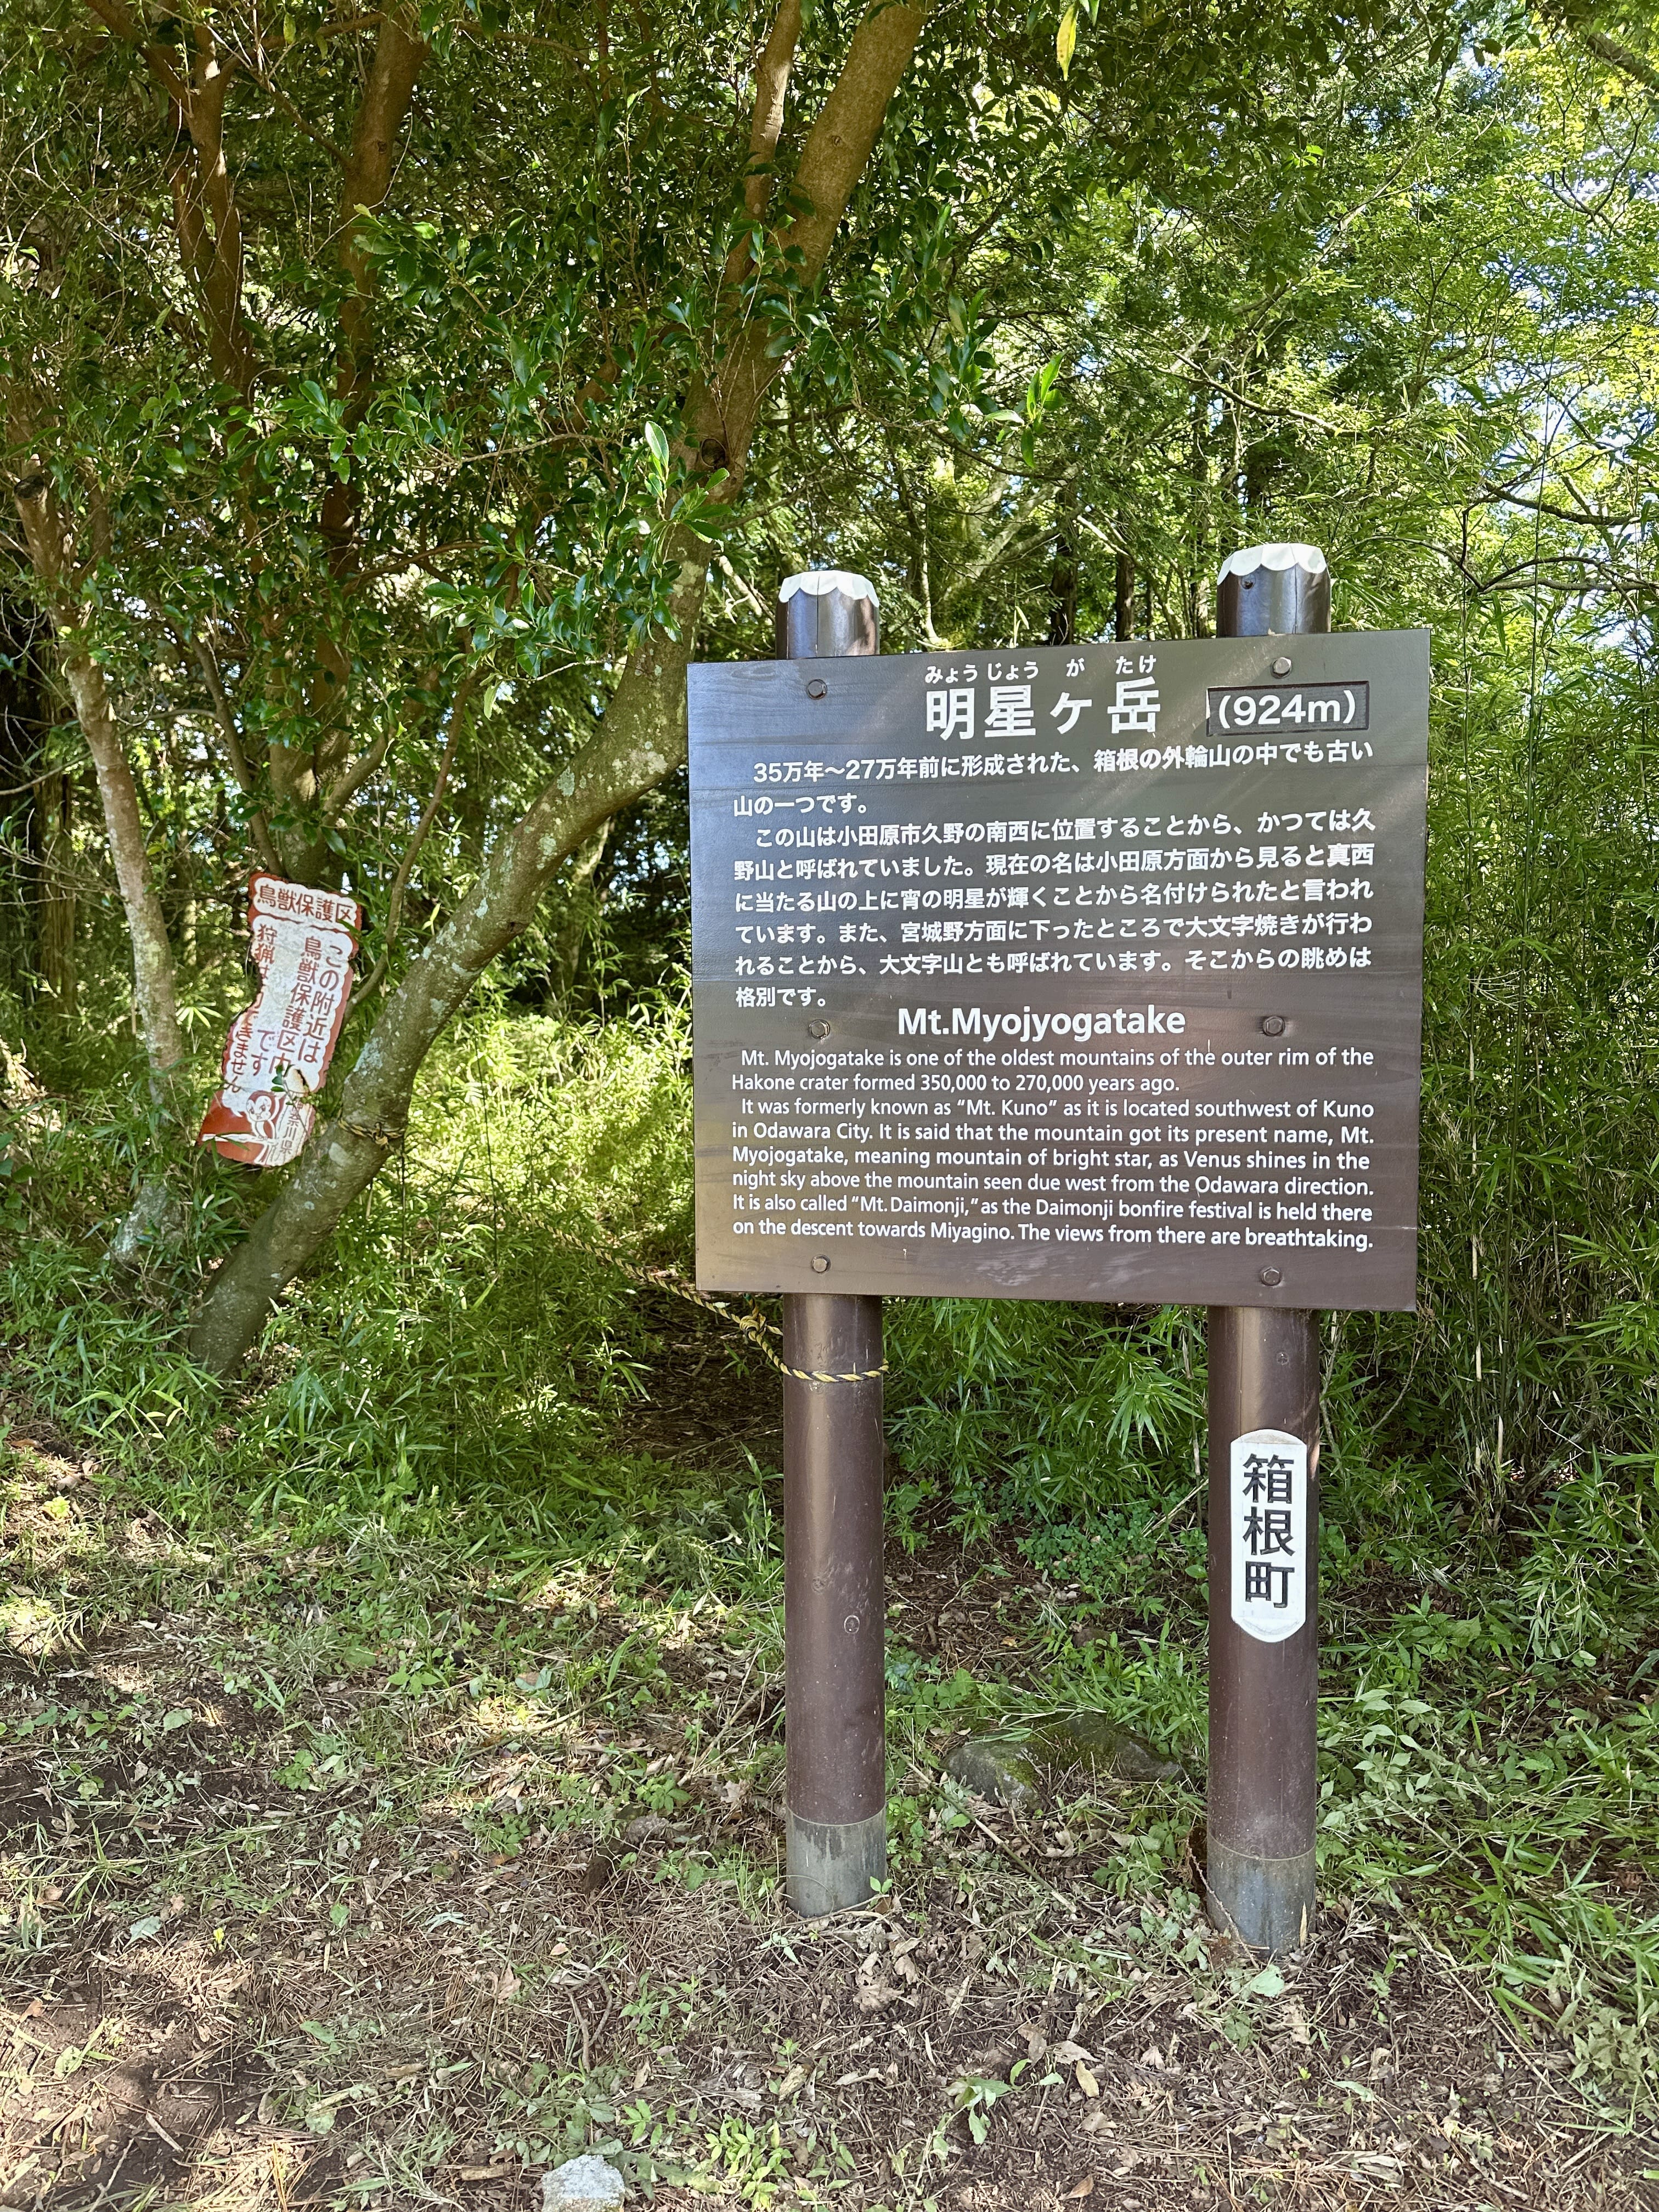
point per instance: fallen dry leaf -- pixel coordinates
(1085, 2080)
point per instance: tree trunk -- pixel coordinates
(583, 910)
(54, 912)
(47, 532)
(43, 948)
(642, 737)
(154, 1215)
(154, 996)
(1063, 575)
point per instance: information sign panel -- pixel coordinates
(1071, 972)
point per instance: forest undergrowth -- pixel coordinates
(392, 1750)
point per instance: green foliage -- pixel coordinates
(1116, 296)
(1038, 1411)
(462, 1347)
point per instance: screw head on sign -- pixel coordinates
(817, 1028)
(1272, 1026)
(1281, 666)
(817, 688)
(1271, 1277)
(820, 1264)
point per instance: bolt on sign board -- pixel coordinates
(303, 942)
(1069, 972)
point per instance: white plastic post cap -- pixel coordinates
(1249, 558)
(817, 583)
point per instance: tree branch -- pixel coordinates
(398, 60)
(393, 68)
(339, 795)
(771, 87)
(837, 148)
(458, 710)
(842, 138)
(206, 660)
(118, 19)
(206, 216)
(1621, 57)
(217, 263)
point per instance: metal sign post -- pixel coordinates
(1264, 1486)
(1083, 971)
(834, 1605)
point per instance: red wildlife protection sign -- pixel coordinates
(304, 942)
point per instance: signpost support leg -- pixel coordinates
(1264, 1374)
(834, 1607)
(835, 1702)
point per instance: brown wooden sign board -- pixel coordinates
(1065, 972)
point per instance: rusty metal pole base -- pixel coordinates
(1271, 1899)
(834, 1863)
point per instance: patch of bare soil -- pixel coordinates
(189, 2071)
(427, 1972)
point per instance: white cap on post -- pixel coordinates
(1273, 591)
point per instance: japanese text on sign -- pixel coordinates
(1268, 1500)
(1025, 976)
(303, 943)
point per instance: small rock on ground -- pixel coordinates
(581, 2184)
(995, 1768)
(1089, 1739)
(1010, 1769)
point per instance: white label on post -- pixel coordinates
(1269, 1500)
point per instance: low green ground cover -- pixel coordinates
(444, 1655)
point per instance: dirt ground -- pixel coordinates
(238, 1978)
(1431, 2107)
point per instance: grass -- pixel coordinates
(382, 1870)
(391, 1752)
